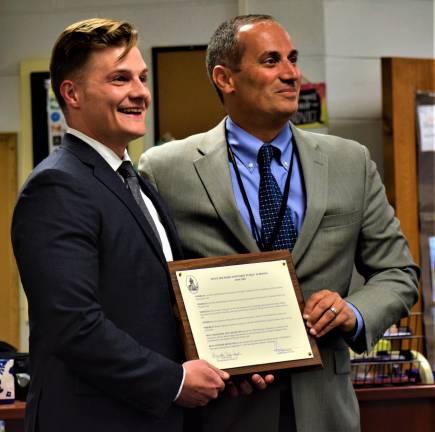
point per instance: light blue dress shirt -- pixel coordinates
(245, 148)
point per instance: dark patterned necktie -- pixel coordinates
(132, 182)
(270, 198)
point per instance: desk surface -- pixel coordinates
(396, 392)
(16, 410)
(12, 411)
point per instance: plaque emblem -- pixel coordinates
(192, 284)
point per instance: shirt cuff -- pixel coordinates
(353, 335)
(181, 385)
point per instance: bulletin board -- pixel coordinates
(38, 89)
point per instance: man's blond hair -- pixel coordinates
(75, 44)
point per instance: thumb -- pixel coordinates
(224, 375)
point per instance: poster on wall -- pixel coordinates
(48, 123)
(312, 111)
(425, 150)
(55, 118)
(425, 129)
(426, 126)
(432, 264)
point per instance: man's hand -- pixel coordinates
(326, 310)
(247, 387)
(202, 382)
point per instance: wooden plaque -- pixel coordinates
(178, 270)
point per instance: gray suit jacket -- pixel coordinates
(348, 222)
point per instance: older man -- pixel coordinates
(255, 182)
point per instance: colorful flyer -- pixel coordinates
(432, 264)
(312, 112)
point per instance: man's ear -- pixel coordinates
(223, 79)
(69, 92)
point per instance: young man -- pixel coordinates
(91, 242)
(219, 185)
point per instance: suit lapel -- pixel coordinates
(105, 174)
(213, 169)
(315, 174)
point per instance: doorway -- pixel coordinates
(9, 293)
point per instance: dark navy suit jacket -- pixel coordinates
(103, 340)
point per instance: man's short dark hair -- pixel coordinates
(224, 47)
(76, 43)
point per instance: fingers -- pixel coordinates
(232, 389)
(202, 383)
(269, 379)
(326, 310)
(239, 388)
(258, 382)
(224, 375)
(261, 383)
(245, 387)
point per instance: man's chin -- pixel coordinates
(291, 108)
(136, 134)
(285, 114)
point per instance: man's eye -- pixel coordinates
(293, 59)
(120, 78)
(143, 78)
(270, 61)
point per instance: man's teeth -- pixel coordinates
(130, 110)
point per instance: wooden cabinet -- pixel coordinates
(397, 409)
(403, 408)
(13, 415)
(402, 78)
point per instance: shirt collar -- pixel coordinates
(245, 146)
(105, 152)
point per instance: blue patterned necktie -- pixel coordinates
(270, 198)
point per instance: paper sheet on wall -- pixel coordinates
(426, 126)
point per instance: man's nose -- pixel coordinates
(139, 89)
(289, 70)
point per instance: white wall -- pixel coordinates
(357, 34)
(28, 29)
(340, 41)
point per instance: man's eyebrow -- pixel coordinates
(276, 54)
(124, 70)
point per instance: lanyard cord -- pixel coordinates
(254, 229)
